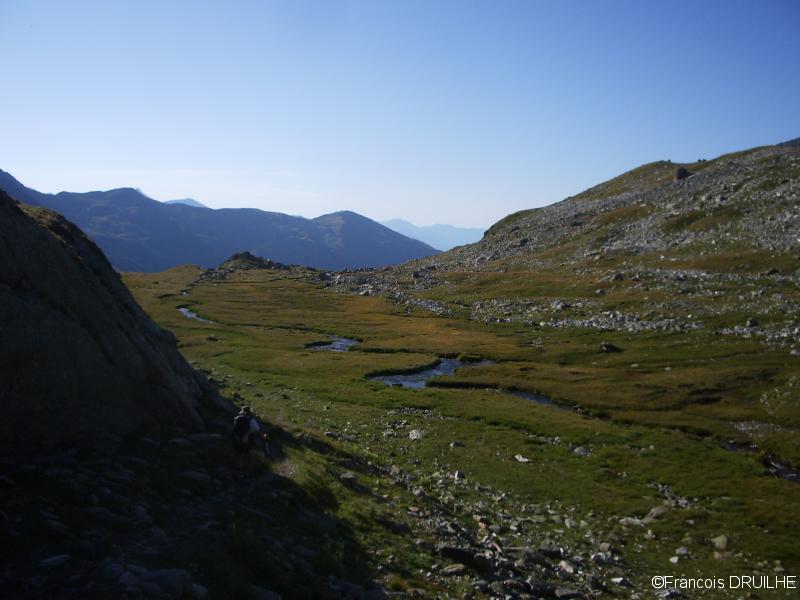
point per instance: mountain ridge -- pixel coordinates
(138, 233)
(187, 202)
(439, 235)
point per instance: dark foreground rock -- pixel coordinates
(80, 362)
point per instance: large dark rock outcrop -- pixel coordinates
(80, 362)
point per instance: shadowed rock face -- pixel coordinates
(80, 362)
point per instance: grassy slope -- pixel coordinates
(657, 426)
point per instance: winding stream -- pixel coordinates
(448, 366)
(338, 344)
(419, 379)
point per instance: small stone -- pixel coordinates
(720, 542)
(459, 475)
(127, 579)
(54, 561)
(111, 570)
(497, 587)
(454, 570)
(609, 347)
(522, 459)
(622, 581)
(415, 435)
(567, 567)
(150, 588)
(56, 526)
(174, 582)
(550, 550)
(656, 512)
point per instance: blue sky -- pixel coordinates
(432, 111)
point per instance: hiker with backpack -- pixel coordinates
(246, 435)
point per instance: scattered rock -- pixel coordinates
(175, 583)
(454, 570)
(567, 567)
(54, 561)
(609, 347)
(720, 542)
(655, 513)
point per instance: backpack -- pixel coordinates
(241, 427)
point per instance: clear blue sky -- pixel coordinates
(433, 111)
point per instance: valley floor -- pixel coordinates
(637, 469)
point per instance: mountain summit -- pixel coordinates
(138, 233)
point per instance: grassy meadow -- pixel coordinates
(628, 430)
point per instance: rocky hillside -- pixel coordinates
(80, 362)
(741, 202)
(708, 245)
(138, 233)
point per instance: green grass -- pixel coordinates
(658, 412)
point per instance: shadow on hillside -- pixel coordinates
(175, 503)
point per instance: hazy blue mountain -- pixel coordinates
(138, 233)
(442, 237)
(187, 202)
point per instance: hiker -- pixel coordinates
(245, 435)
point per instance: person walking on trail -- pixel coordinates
(245, 435)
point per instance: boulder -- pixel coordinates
(609, 347)
(80, 361)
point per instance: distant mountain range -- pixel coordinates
(442, 237)
(138, 233)
(187, 202)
